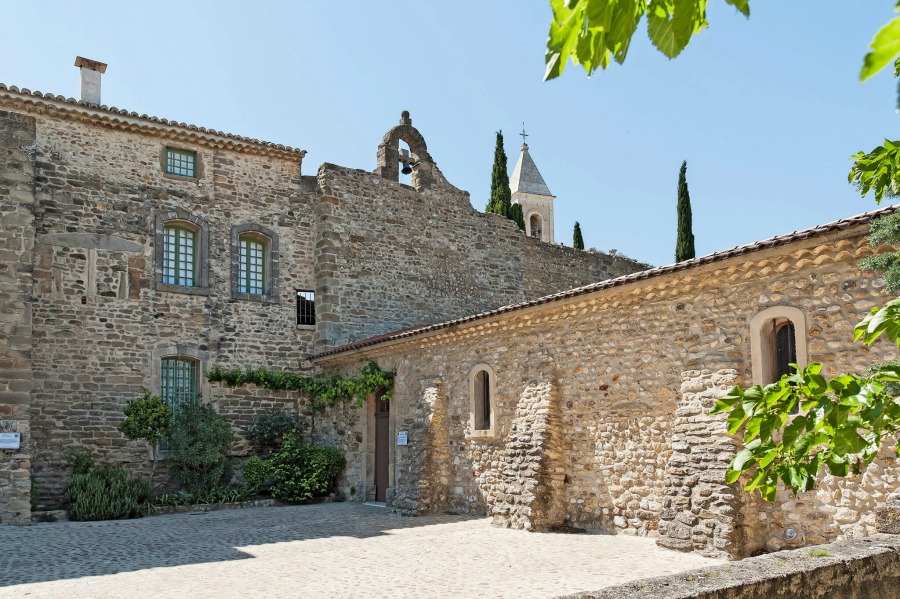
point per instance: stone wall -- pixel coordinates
(17, 138)
(618, 356)
(850, 569)
(101, 321)
(341, 425)
(389, 256)
(550, 268)
(700, 512)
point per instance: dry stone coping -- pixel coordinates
(849, 569)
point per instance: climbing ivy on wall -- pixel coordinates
(324, 388)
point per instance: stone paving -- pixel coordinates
(327, 550)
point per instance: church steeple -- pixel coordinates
(531, 192)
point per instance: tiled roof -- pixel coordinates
(111, 112)
(838, 225)
(526, 178)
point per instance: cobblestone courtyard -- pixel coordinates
(327, 550)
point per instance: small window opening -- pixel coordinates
(784, 348)
(536, 228)
(482, 401)
(306, 308)
(181, 162)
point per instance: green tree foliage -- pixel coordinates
(270, 428)
(516, 214)
(197, 447)
(577, 239)
(106, 494)
(257, 472)
(841, 423)
(802, 423)
(500, 201)
(684, 247)
(885, 231)
(594, 32)
(301, 471)
(324, 388)
(148, 418)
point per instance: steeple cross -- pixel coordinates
(523, 134)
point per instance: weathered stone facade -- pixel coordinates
(634, 365)
(87, 186)
(17, 139)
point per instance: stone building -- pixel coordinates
(137, 252)
(536, 384)
(589, 408)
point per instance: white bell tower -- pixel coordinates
(529, 191)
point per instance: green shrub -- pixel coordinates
(257, 473)
(302, 471)
(81, 461)
(107, 494)
(270, 428)
(197, 447)
(148, 418)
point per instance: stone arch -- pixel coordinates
(761, 346)
(425, 173)
(536, 224)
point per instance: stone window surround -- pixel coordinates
(270, 239)
(199, 225)
(179, 350)
(761, 344)
(492, 390)
(198, 164)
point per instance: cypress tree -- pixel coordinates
(516, 214)
(577, 239)
(684, 248)
(500, 202)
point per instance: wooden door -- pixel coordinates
(382, 446)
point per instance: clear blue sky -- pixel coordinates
(766, 111)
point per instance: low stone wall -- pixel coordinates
(851, 569)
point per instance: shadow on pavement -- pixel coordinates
(64, 550)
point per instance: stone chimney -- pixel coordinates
(91, 70)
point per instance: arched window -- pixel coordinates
(254, 263)
(251, 264)
(778, 339)
(535, 225)
(483, 403)
(181, 253)
(179, 382)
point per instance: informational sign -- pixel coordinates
(402, 438)
(10, 440)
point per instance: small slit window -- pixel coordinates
(784, 347)
(777, 340)
(483, 401)
(181, 162)
(306, 308)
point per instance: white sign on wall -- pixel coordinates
(402, 438)
(10, 440)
